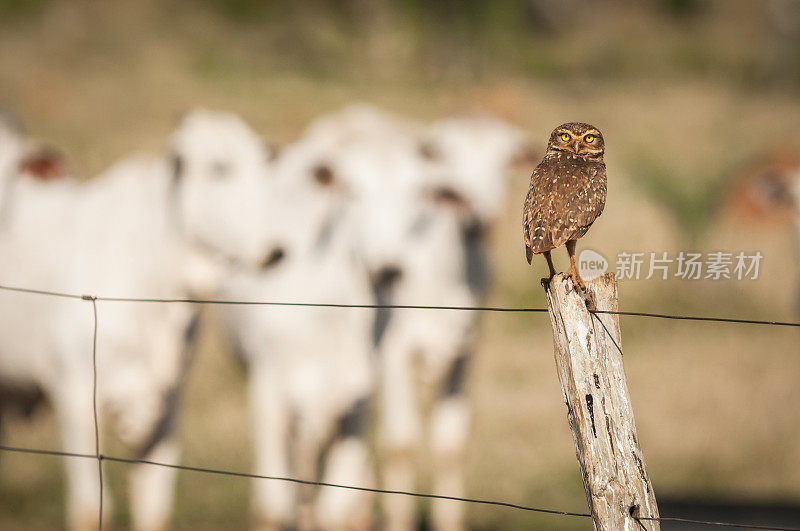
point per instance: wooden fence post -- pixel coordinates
(588, 352)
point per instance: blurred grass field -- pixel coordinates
(682, 100)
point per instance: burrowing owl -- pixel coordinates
(567, 193)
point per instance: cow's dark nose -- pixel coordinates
(386, 276)
(273, 258)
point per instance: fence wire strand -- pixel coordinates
(100, 457)
(397, 307)
(711, 523)
(97, 455)
(378, 491)
(295, 480)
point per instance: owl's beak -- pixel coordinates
(575, 147)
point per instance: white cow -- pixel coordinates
(221, 169)
(311, 375)
(445, 264)
(416, 204)
(19, 156)
(133, 231)
(312, 368)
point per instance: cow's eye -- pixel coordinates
(323, 175)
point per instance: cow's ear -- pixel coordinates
(44, 164)
(445, 197)
(449, 197)
(526, 157)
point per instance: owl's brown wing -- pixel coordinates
(590, 199)
(532, 228)
(565, 197)
(537, 211)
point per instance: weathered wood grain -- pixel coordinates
(588, 353)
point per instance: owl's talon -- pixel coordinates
(576, 280)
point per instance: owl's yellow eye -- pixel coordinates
(565, 137)
(589, 139)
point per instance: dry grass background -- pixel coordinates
(716, 404)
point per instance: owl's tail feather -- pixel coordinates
(543, 243)
(528, 254)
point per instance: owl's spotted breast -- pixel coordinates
(567, 193)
